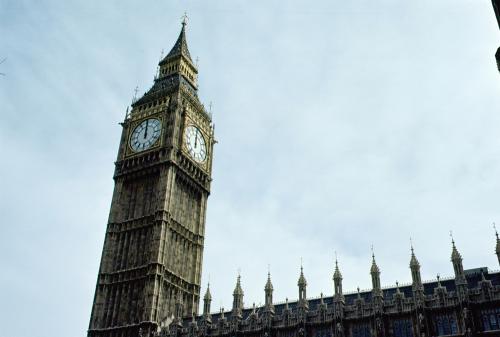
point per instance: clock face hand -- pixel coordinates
(142, 138)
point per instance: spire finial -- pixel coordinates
(496, 232)
(373, 253)
(184, 20)
(452, 239)
(134, 99)
(411, 245)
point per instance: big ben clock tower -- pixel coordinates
(153, 249)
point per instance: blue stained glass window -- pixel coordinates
(402, 328)
(491, 319)
(322, 332)
(361, 330)
(446, 325)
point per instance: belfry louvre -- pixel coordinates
(149, 277)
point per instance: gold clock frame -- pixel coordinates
(133, 126)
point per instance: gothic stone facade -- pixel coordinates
(466, 305)
(154, 240)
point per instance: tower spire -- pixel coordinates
(456, 260)
(238, 299)
(178, 60)
(207, 300)
(268, 289)
(302, 283)
(415, 272)
(337, 282)
(497, 248)
(375, 273)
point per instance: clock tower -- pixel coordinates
(153, 248)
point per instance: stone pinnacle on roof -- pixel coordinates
(374, 269)
(269, 285)
(413, 261)
(455, 255)
(208, 296)
(337, 275)
(237, 289)
(497, 250)
(302, 280)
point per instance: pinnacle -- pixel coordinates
(269, 285)
(374, 269)
(237, 290)
(497, 250)
(180, 47)
(337, 274)
(455, 255)
(302, 280)
(413, 261)
(208, 296)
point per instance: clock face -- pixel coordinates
(145, 134)
(195, 144)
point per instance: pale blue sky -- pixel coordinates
(341, 124)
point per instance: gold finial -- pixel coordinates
(184, 20)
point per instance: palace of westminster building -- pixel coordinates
(150, 272)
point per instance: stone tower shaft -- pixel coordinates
(150, 269)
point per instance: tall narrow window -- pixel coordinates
(446, 324)
(402, 328)
(361, 330)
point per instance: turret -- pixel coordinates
(268, 290)
(238, 300)
(416, 278)
(337, 284)
(207, 300)
(497, 248)
(375, 274)
(456, 260)
(302, 283)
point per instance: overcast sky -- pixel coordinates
(341, 124)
